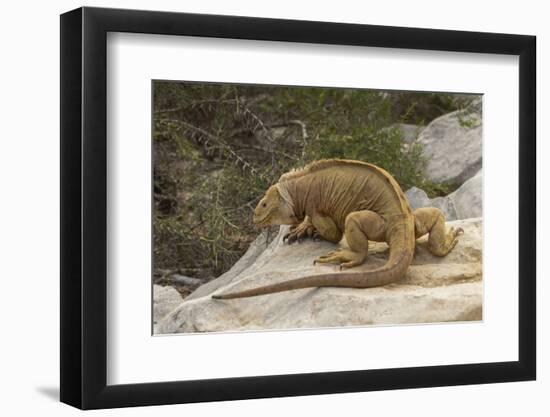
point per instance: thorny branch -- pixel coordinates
(197, 103)
(219, 141)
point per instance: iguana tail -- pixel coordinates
(395, 268)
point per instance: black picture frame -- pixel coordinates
(84, 207)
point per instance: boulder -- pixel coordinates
(452, 145)
(464, 203)
(433, 290)
(409, 132)
(184, 280)
(418, 199)
(467, 199)
(165, 299)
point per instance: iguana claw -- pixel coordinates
(299, 232)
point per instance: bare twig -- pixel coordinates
(260, 122)
(281, 153)
(196, 103)
(221, 142)
(305, 136)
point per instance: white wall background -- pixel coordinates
(29, 226)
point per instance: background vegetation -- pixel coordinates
(217, 148)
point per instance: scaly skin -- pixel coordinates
(335, 198)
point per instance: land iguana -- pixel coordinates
(334, 198)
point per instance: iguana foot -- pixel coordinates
(301, 231)
(457, 232)
(345, 257)
(431, 220)
(452, 237)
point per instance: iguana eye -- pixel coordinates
(264, 205)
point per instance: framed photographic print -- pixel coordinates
(302, 207)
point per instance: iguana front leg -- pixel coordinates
(301, 231)
(360, 226)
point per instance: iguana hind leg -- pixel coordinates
(360, 226)
(431, 220)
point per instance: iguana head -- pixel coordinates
(273, 209)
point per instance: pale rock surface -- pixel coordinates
(452, 145)
(434, 290)
(468, 199)
(410, 132)
(165, 299)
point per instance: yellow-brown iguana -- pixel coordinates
(331, 198)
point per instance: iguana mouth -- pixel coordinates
(263, 221)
